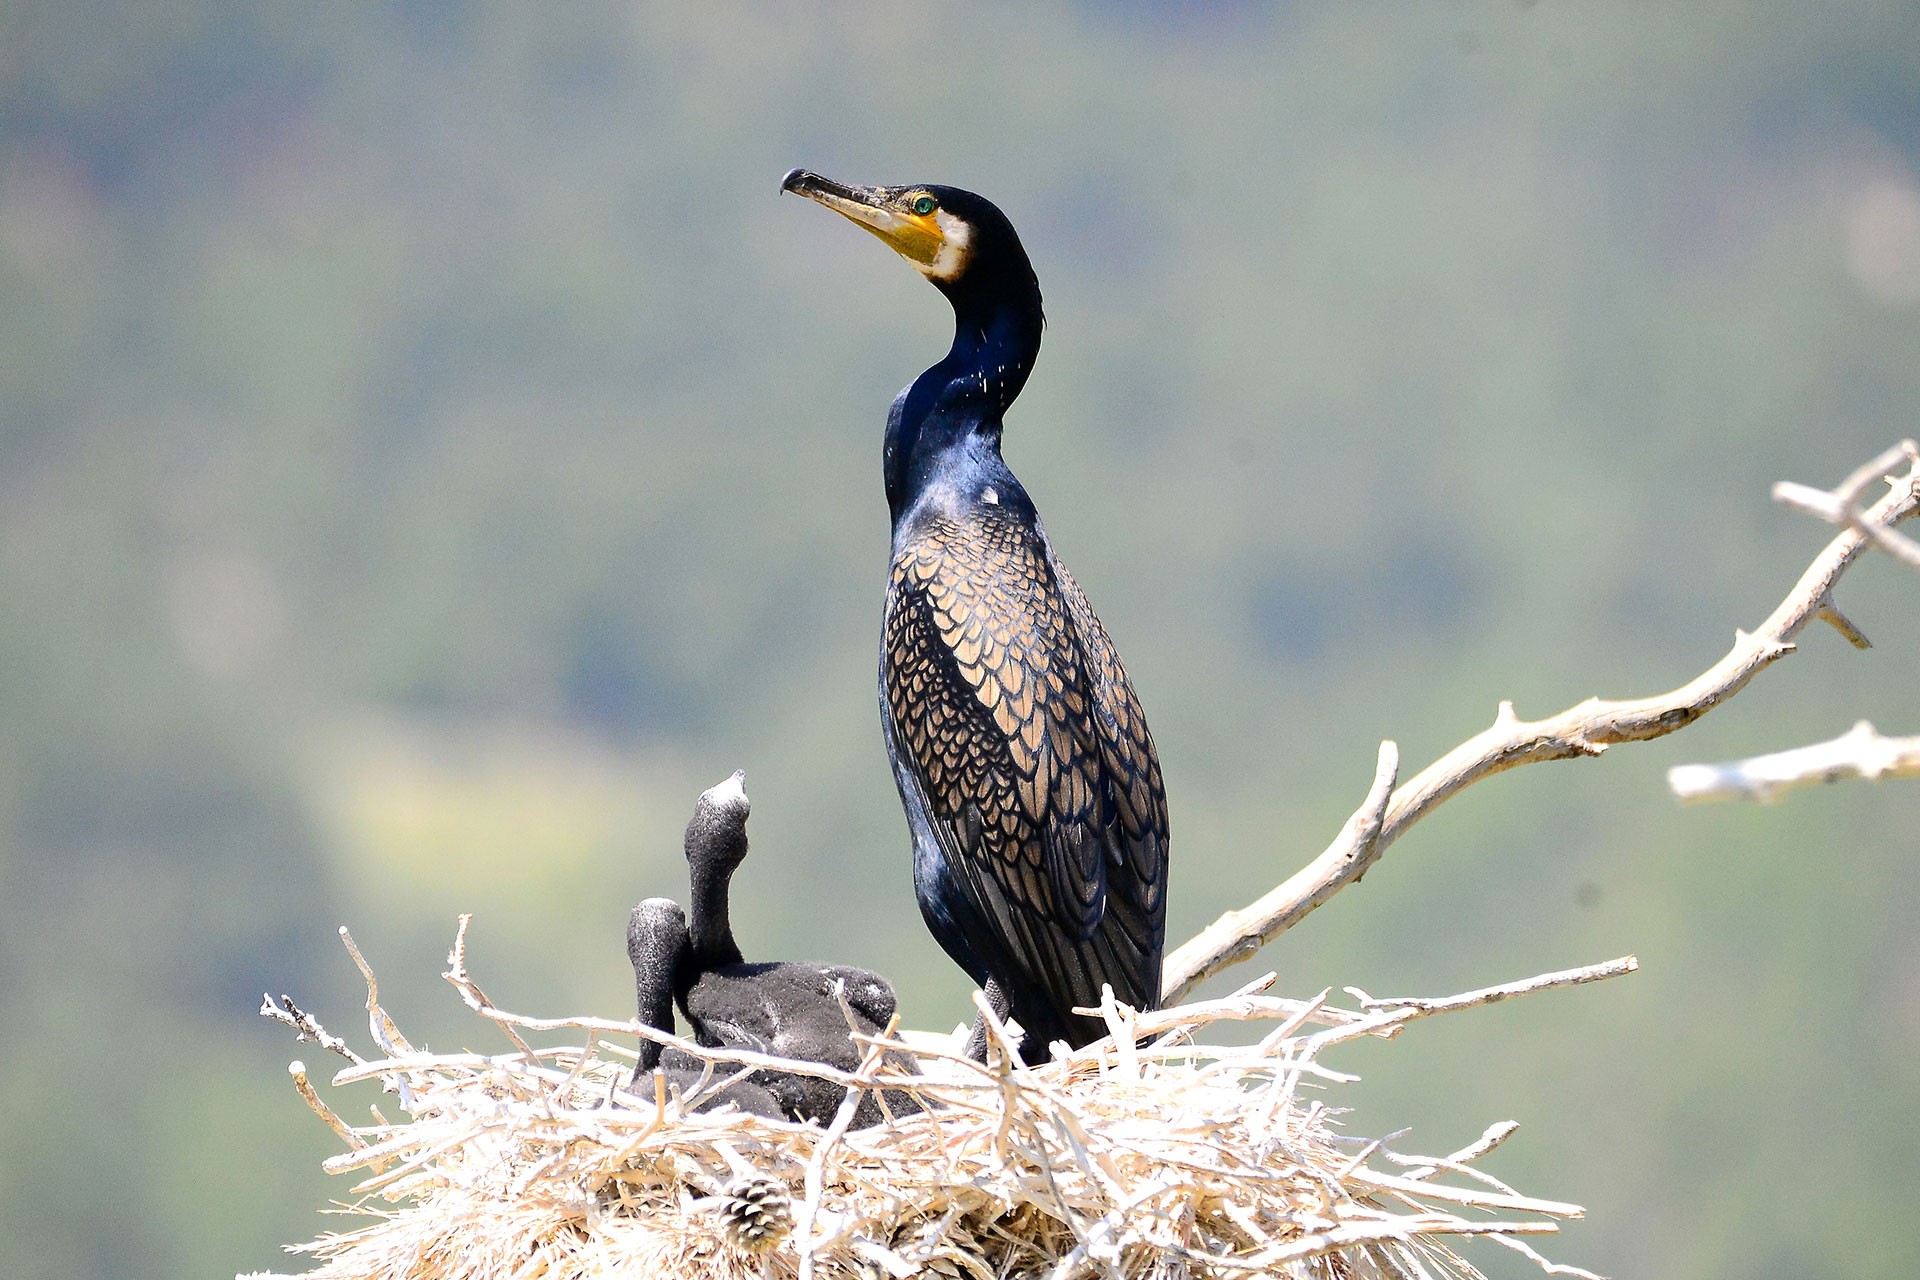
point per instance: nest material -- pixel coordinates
(1147, 1154)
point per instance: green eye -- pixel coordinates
(923, 206)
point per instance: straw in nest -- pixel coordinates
(1150, 1153)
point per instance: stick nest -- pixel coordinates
(1150, 1153)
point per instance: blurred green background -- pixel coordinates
(431, 452)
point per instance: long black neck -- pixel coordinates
(654, 989)
(657, 946)
(709, 923)
(947, 424)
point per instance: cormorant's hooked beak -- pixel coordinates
(888, 212)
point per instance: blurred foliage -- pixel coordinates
(430, 452)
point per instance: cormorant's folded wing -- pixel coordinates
(1045, 823)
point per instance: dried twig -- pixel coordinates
(1460, 1162)
(1584, 730)
(1841, 505)
(304, 1087)
(1422, 1007)
(1525, 1250)
(1861, 752)
(470, 990)
(379, 1025)
(1238, 935)
(306, 1026)
(384, 1033)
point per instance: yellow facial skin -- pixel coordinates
(926, 240)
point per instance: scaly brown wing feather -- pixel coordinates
(1132, 769)
(1019, 727)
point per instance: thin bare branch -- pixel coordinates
(1861, 752)
(1841, 505)
(304, 1087)
(306, 1026)
(1830, 614)
(1486, 1142)
(1527, 1251)
(1237, 935)
(469, 989)
(1422, 1007)
(1587, 729)
(385, 1033)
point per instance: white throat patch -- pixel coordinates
(955, 248)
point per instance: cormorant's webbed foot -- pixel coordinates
(977, 1038)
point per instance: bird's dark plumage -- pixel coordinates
(658, 947)
(787, 1008)
(1024, 764)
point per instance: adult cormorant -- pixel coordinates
(658, 947)
(788, 1008)
(1022, 757)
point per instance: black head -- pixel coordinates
(717, 837)
(958, 240)
(656, 932)
(657, 945)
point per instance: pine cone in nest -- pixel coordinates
(756, 1213)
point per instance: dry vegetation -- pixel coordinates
(1149, 1153)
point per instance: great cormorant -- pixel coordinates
(1023, 760)
(657, 945)
(787, 1008)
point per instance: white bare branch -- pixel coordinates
(304, 1087)
(1422, 1007)
(1245, 931)
(1861, 752)
(1841, 505)
(1584, 730)
(306, 1026)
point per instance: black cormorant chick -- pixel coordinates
(1023, 759)
(791, 1009)
(658, 947)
